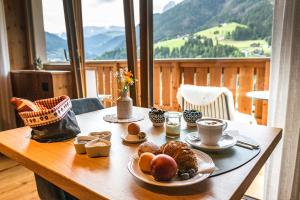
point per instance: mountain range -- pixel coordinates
(184, 18)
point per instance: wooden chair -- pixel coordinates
(85, 105)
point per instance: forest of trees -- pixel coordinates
(116, 54)
(248, 33)
(243, 33)
(198, 47)
(194, 47)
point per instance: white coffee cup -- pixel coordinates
(210, 130)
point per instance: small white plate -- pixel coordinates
(225, 142)
(206, 167)
(132, 141)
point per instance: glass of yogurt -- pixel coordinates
(173, 124)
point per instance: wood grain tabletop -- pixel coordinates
(109, 178)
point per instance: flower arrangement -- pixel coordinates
(125, 80)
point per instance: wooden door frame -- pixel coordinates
(146, 52)
(131, 44)
(73, 47)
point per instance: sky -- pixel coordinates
(95, 13)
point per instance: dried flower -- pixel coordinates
(125, 79)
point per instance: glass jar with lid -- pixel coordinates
(173, 124)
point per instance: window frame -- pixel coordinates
(37, 38)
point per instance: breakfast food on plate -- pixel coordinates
(182, 153)
(173, 158)
(148, 147)
(134, 129)
(145, 162)
(163, 167)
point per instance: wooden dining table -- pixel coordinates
(109, 178)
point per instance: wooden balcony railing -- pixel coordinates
(238, 75)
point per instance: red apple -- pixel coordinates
(163, 167)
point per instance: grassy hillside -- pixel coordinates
(219, 31)
(218, 35)
(191, 16)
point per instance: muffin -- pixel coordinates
(133, 129)
(149, 147)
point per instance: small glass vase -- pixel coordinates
(124, 106)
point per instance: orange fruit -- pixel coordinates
(145, 161)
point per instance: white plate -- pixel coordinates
(225, 142)
(132, 141)
(205, 164)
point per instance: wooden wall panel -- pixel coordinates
(62, 85)
(166, 85)
(108, 88)
(188, 75)
(176, 77)
(115, 89)
(238, 76)
(230, 74)
(201, 76)
(17, 34)
(215, 76)
(245, 85)
(156, 84)
(260, 79)
(100, 83)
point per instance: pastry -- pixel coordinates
(134, 129)
(148, 147)
(183, 155)
(145, 162)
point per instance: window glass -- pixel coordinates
(55, 31)
(210, 28)
(104, 29)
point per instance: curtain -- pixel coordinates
(282, 169)
(73, 18)
(7, 118)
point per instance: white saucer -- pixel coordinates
(225, 142)
(113, 118)
(123, 136)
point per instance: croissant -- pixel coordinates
(182, 154)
